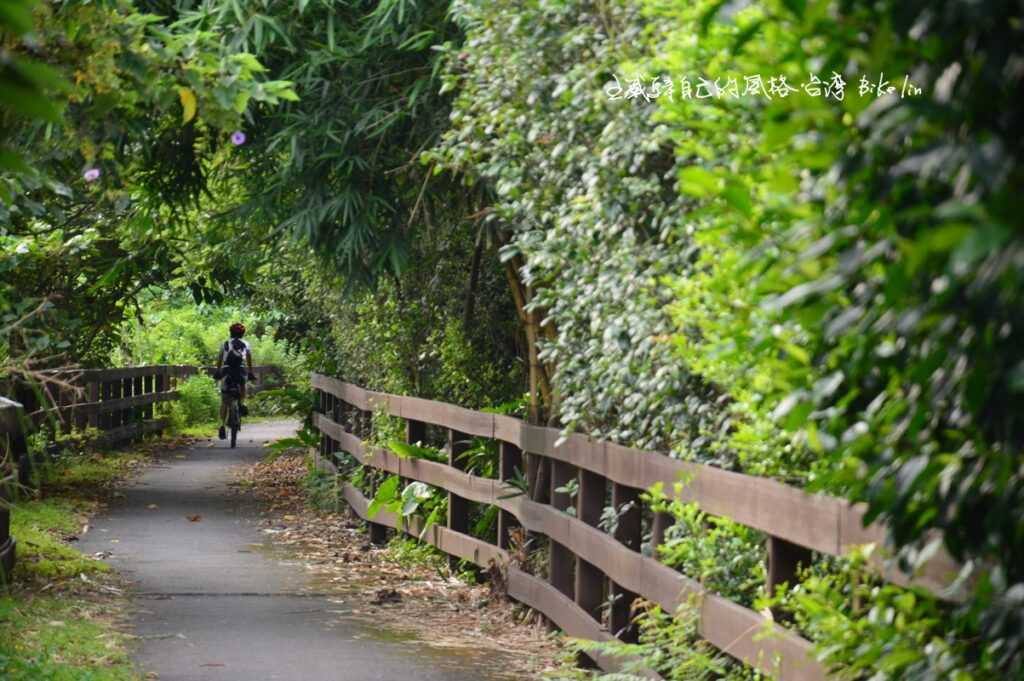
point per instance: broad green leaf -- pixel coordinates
(697, 181)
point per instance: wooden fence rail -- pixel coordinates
(586, 563)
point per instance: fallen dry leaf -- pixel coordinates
(194, 518)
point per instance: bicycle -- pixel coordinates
(233, 392)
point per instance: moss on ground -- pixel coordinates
(59, 620)
(61, 638)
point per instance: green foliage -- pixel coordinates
(581, 186)
(333, 170)
(668, 645)
(25, 84)
(199, 402)
(411, 337)
(387, 497)
(42, 555)
(68, 462)
(407, 451)
(726, 557)
(865, 320)
(414, 499)
(408, 552)
(321, 489)
(71, 477)
(173, 329)
(306, 439)
(289, 400)
(116, 135)
(480, 457)
(869, 629)
(828, 292)
(822, 291)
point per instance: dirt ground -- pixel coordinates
(415, 597)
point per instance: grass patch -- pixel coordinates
(56, 638)
(203, 430)
(85, 474)
(408, 552)
(209, 429)
(321, 489)
(41, 528)
(58, 620)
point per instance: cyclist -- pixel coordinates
(234, 365)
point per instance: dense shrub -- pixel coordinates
(199, 402)
(586, 190)
(176, 330)
(872, 311)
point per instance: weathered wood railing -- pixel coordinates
(118, 402)
(587, 563)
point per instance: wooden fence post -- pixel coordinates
(160, 380)
(415, 431)
(590, 582)
(378, 532)
(319, 404)
(79, 418)
(139, 413)
(127, 386)
(628, 532)
(458, 508)
(106, 393)
(94, 396)
(659, 526)
(561, 561)
(147, 389)
(510, 459)
(784, 562)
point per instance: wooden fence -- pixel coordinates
(587, 563)
(120, 402)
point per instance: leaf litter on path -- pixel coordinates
(421, 600)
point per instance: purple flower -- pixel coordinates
(238, 138)
(91, 175)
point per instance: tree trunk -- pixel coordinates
(541, 393)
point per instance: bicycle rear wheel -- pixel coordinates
(233, 422)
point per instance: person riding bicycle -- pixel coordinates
(234, 365)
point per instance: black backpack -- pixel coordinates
(234, 354)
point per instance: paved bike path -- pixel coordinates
(211, 606)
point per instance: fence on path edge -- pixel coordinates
(585, 562)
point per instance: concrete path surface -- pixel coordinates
(213, 604)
